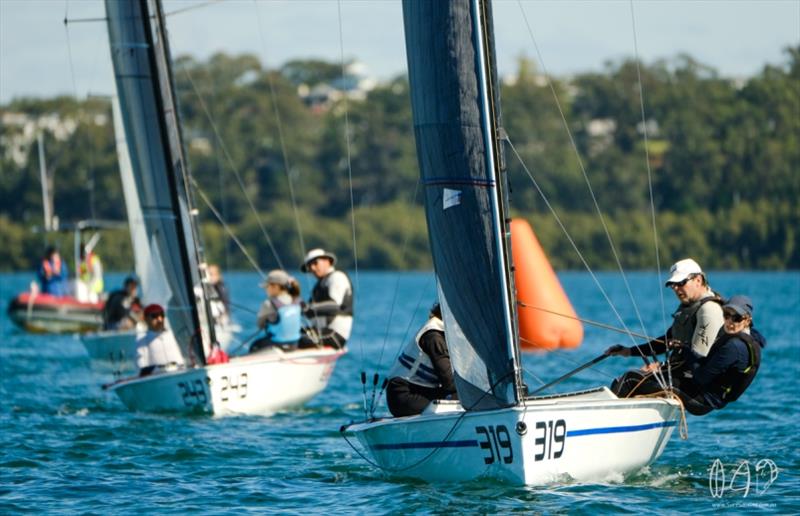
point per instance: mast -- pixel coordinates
(196, 270)
(456, 114)
(490, 98)
(145, 88)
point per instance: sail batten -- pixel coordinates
(456, 153)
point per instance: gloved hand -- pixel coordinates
(618, 350)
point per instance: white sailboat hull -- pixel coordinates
(115, 351)
(261, 383)
(590, 436)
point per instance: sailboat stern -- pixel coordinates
(588, 436)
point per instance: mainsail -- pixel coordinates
(141, 67)
(455, 109)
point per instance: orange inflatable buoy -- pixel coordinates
(546, 318)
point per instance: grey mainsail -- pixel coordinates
(144, 85)
(455, 108)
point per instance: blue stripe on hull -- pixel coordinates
(430, 444)
(619, 429)
(474, 443)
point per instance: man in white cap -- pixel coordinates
(696, 322)
(695, 326)
(330, 308)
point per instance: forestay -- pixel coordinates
(451, 78)
(150, 121)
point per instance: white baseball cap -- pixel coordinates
(681, 270)
(314, 254)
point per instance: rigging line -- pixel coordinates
(84, 20)
(192, 7)
(466, 410)
(569, 237)
(234, 169)
(285, 153)
(422, 293)
(650, 188)
(226, 227)
(347, 140)
(649, 171)
(591, 322)
(583, 169)
(397, 282)
(575, 247)
(69, 49)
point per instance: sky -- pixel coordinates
(40, 57)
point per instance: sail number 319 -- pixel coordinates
(549, 439)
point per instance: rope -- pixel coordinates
(281, 139)
(467, 410)
(397, 284)
(192, 7)
(591, 322)
(649, 179)
(234, 169)
(69, 49)
(683, 426)
(585, 177)
(227, 228)
(404, 339)
(347, 142)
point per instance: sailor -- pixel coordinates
(53, 273)
(711, 382)
(695, 323)
(280, 315)
(422, 372)
(330, 308)
(90, 275)
(157, 349)
(219, 291)
(122, 310)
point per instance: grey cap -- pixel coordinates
(277, 277)
(314, 254)
(742, 305)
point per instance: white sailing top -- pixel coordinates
(158, 349)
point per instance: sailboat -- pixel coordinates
(496, 430)
(259, 383)
(78, 309)
(115, 350)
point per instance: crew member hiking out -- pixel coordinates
(695, 324)
(711, 382)
(330, 308)
(423, 372)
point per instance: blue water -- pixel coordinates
(66, 446)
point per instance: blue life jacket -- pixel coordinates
(287, 327)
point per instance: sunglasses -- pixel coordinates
(682, 283)
(733, 316)
(156, 315)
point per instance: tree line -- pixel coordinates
(719, 156)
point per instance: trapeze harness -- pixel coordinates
(732, 383)
(415, 365)
(683, 327)
(685, 319)
(287, 327)
(321, 293)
